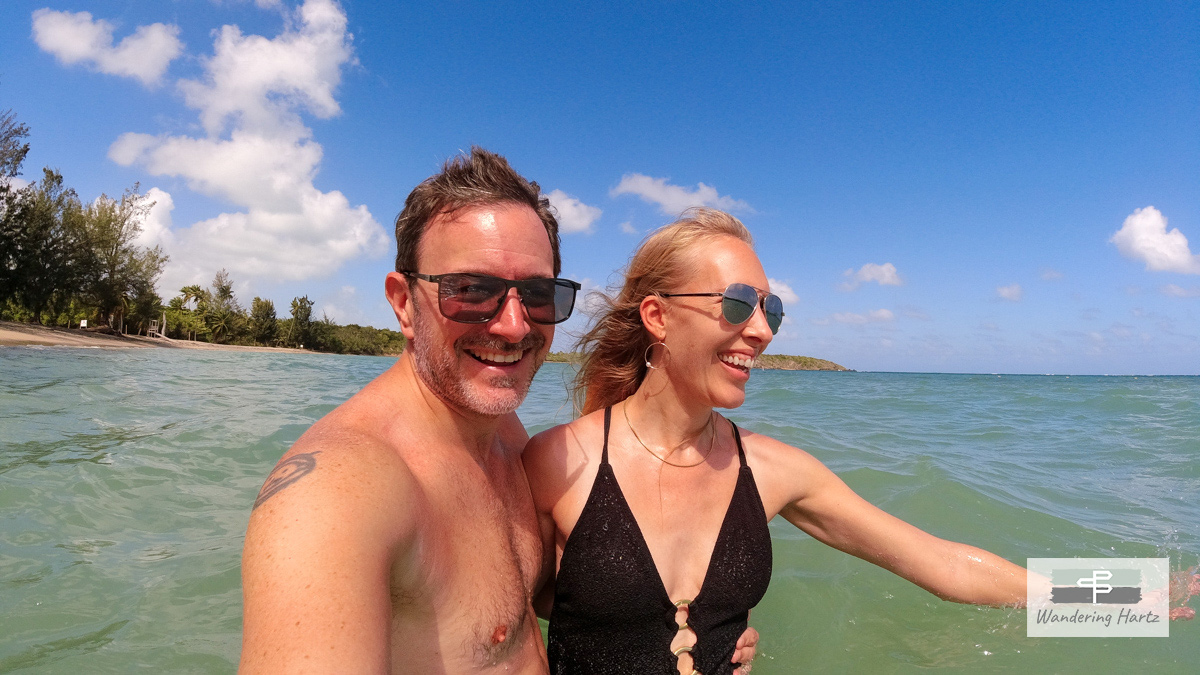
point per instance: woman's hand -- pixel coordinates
(746, 649)
(1183, 586)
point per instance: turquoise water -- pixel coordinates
(126, 479)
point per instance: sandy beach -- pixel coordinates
(23, 335)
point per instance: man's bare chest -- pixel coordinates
(479, 558)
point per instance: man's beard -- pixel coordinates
(437, 366)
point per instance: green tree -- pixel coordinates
(300, 332)
(145, 307)
(193, 293)
(42, 251)
(70, 311)
(324, 336)
(181, 321)
(122, 269)
(355, 339)
(264, 325)
(224, 317)
(12, 150)
(12, 155)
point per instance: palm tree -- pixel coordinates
(193, 293)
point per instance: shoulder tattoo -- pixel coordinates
(285, 473)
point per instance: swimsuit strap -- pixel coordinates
(607, 419)
(738, 437)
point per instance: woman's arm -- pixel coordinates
(822, 505)
(540, 460)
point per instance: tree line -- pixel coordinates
(214, 314)
(63, 261)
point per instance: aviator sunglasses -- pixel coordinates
(476, 298)
(738, 303)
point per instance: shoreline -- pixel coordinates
(13, 334)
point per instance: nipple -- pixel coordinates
(499, 634)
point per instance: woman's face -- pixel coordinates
(710, 357)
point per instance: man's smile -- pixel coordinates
(490, 357)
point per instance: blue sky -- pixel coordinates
(954, 187)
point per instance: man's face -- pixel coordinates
(467, 365)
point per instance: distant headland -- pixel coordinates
(786, 362)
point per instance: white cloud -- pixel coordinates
(259, 156)
(247, 169)
(627, 228)
(1122, 330)
(156, 228)
(573, 215)
(675, 199)
(588, 300)
(884, 275)
(14, 182)
(76, 38)
(1174, 291)
(342, 307)
(260, 84)
(873, 316)
(1144, 237)
(1049, 274)
(784, 291)
(1011, 292)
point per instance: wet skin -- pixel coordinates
(398, 534)
(679, 510)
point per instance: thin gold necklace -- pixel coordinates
(711, 442)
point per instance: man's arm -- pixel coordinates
(329, 526)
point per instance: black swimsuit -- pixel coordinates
(611, 611)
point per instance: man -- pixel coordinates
(398, 534)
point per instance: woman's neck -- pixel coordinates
(663, 420)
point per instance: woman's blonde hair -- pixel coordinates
(613, 364)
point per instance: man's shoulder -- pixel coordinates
(338, 522)
(352, 451)
(337, 479)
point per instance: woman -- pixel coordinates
(658, 506)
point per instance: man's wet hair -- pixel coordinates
(480, 178)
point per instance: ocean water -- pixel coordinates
(127, 476)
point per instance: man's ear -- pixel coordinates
(654, 316)
(395, 287)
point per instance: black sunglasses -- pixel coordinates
(476, 298)
(738, 303)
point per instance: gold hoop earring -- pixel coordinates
(646, 355)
